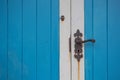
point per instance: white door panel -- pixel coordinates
(73, 11)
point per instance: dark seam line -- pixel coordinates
(59, 41)
(71, 37)
(84, 46)
(36, 37)
(7, 39)
(58, 3)
(22, 43)
(85, 68)
(93, 36)
(51, 40)
(107, 33)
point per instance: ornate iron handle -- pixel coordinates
(89, 40)
(79, 45)
(79, 41)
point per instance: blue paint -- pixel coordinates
(100, 34)
(3, 39)
(102, 23)
(55, 40)
(44, 39)
(88, 35)
(14, 39)
(29, 40)
(113, 39)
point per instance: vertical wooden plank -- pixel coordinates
(43, 40)
(3, 39)
(29, 40)
(77, 21)
(55, 40)
(113, 40)
(14, 39)
(88, 35)
(100, 35)
(65, 53)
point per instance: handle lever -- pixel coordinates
(89, 40)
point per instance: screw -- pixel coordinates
(62, 18)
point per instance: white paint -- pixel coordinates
(77, 23)
(73, 10)
(64, 40)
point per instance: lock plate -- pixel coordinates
(78, 45)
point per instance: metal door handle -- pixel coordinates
(78, 41)
(78, 45)
(89, 40)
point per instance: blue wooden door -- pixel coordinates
(102, 22)
(29, 36)
(29, 39)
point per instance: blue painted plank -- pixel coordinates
(55, 39)
(88, 35)
(29, 40)
(113, 40)
(14, 39)
(43, 40)
(100, 34)
(3, 39)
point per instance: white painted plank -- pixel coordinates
(77, 9)
(64, 40)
